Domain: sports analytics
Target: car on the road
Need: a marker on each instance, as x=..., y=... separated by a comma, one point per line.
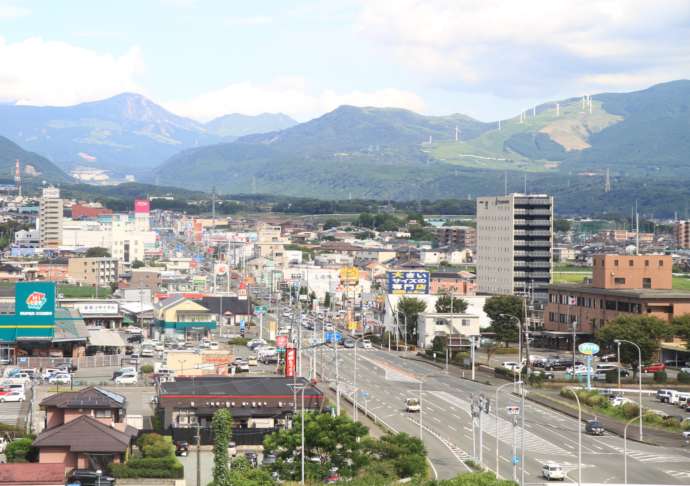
x=349, y=343
x=240, y=365
x=511, y=365
x=122, y=371
x=181, y=448
x=48, y=372
x=13, y=396
x=618, y=401
x=685, y=370
x=666, y=395
x=365, y=343
x=594, y=427
x=87, y=477
x=653, y=367
x=133, y=330
x=252, y=361
x=255, y=343
x=213, y=345
x=547, y=375
x=134, y=358
x=60, y=379
x=552, y=470
x=128, y=378
x=412, y=405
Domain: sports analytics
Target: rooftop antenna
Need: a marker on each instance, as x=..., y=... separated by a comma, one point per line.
x=505, y=183
x=457, y=133
x=534, y=112
x=18, y=178
x=637, y=230
x=589, y=97
x=607, y=182
x=558, y=109
x=499, y=125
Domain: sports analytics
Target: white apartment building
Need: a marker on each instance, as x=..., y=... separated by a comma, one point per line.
x=432, y=324
x=514, y=245
x=50, y=218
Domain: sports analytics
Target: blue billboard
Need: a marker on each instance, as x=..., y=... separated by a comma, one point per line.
x=408, y=282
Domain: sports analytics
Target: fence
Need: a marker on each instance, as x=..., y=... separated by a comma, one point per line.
x=239, y=436
x=97, y=361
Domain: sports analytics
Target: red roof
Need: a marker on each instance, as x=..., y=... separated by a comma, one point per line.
x=32, y=473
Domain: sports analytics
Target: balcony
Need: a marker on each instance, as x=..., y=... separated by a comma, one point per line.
x=530, y=232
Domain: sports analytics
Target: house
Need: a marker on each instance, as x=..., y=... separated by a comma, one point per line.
x=181, y=315
x=32, y=474
x=432, y=324
x=229, y=310
x=456, y=283
x=259, y=405
x=85, y=429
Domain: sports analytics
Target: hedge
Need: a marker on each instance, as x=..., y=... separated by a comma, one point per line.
x=683, y=377
x=149, y=467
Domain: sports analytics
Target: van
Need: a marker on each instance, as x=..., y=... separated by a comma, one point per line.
x=663, y=394
x=683, y=399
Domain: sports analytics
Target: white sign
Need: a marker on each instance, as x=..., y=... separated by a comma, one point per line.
x=97, y=308
x=513, y=410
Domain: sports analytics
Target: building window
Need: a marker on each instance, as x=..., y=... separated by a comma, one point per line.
x=646, y=263
x=107, y=413
x=615, y=263
x=631, y=263
x=465, y=322
x=552, y=316
x=661, y=263
x=610, y=305
x=619, y=280
x=646, y=283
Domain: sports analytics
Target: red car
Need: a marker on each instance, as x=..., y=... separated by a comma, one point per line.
x=653, y=367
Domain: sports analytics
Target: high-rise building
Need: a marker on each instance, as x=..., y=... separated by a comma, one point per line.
x=50, y=218
x=514, y=245
x=682, y=233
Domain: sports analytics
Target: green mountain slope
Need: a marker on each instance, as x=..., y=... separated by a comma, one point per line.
x=32, y=165
x=237, y=125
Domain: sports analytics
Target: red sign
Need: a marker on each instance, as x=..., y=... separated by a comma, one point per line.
x=290, y=359
x=281, y=341
x=142, y=206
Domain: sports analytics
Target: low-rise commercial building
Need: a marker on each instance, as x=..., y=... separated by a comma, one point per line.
x=101, y=271
x=432, y=324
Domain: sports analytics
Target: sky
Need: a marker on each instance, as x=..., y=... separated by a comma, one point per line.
x=488, y=59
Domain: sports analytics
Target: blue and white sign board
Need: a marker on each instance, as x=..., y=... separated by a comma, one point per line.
x=408, y=282
x=333, y=336
x=242, y=325
x=589, y=350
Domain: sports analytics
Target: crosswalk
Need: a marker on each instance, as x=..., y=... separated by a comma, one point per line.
x=649, y=457
x=679, y=474
x=533, y=443
x=9, y=412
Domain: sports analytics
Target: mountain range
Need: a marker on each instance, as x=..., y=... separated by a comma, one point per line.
x=565, y=147
x=125, y=134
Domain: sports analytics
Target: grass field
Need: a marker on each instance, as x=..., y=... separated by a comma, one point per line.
x=679, y=283
x=76, y=292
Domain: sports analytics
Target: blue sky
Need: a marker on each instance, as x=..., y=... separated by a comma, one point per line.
x=204, y=58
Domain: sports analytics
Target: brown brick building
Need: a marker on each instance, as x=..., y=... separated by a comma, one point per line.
x=621, y=284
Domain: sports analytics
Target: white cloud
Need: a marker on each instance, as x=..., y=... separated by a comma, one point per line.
x=533, y=47
x=290, y=95
x=39, y=72
x=254, y=20
x=8, y=11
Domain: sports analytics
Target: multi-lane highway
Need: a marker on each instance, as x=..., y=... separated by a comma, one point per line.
x=388, y=379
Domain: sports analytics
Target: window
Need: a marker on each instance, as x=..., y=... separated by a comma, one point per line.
x=552, y=316
x=661, y=263
x=619, y=280
x=646, y=263
x=465, y=322
x=104, y=413
x=615, y=263
x=646, y=283
x=610, y=305
x=631, y=263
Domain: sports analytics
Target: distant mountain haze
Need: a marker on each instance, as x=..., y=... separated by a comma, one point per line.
x=32, y=165
x=237, y=125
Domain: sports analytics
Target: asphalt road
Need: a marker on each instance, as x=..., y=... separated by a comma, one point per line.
x=389, y=379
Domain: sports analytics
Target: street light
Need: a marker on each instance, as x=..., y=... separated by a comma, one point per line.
x=519, y=324
x=639, y=374
x=496, y=414
x=625, y=449
x=579, y=434
x=301, y=387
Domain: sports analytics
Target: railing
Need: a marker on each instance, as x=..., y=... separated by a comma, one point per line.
x=240, y=436
x=97, y=361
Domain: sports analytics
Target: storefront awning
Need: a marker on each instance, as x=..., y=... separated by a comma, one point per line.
x=105, y=338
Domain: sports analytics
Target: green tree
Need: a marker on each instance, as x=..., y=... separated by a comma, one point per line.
x=336, y=440
x=242, y=473
x=97, y=251
x=138, y=264
x=645, y=331
x=331, y=223
x=499, y=308
x=365, y=220
x=681, y=328
x=443, y=304
x=405, y=453
x=222, y=429
x=562, y=225
x=327, y=300
x=408, y=309
x=19, y=450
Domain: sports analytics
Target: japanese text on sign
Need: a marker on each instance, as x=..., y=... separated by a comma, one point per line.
x=408, y=282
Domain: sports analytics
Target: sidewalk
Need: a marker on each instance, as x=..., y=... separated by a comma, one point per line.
x=651, y=436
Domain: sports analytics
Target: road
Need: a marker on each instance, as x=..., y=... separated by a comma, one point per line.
x=389, y=379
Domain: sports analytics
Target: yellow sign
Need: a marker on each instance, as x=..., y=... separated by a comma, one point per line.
x=349, y=276
x=352, y=326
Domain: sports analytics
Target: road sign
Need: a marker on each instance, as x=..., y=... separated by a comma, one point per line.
x=242, y=325
x=513, y=410
x=260, y=309
x=588, y=349
x=333, y=336
x=516, y=460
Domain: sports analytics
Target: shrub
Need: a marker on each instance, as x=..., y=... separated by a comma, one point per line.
x=536, y=380
x=155, y=446
x=612, y=376
x=510, y=350
x=684, y=378
x=19, y=450
x=238, y=341
x=630, y=410
x=167, y=467
x=660, y=377
x=146, y=368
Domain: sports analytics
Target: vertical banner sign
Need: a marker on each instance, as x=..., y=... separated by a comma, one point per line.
x=281, y=341
x=290, y=360
x=408, y=282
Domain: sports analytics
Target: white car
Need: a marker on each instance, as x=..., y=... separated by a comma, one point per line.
x=366, y=344
x=213, y=345
x=619, y=401
x=511, y=365
x=48, y=372
x=126, y=379
x=412, y=405
x=60, y=379
x=552, y=470
x=13, y=396
x=133, y=330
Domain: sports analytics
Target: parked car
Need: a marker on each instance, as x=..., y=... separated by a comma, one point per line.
x=134, y=358
x=232, y=449
x=13, y=396
x=87, y=477
x=552, y=470
x=548, y=375
x=48, y=372
x=653, y=367
x=60, y=379
x=127, y=379
x=252, y=457
x=269, y=458
x=593, y=427
x=252, y=361
x=240, y=365
x=181, y=448
x=122, y=371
